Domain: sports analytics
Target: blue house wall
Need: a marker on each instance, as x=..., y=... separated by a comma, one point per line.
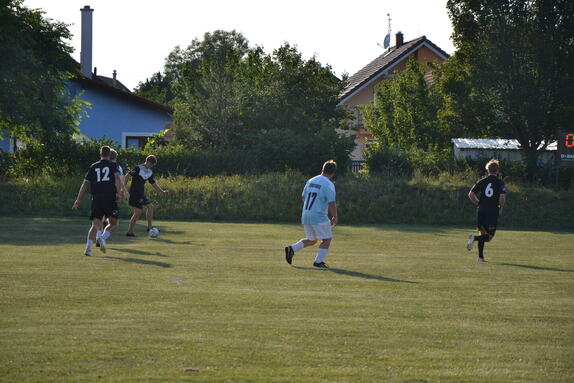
x=5, y=143
x=116, y=117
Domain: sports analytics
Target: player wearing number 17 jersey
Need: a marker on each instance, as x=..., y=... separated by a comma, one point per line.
x=318, y=200
x=105, y=185
x=490, y=195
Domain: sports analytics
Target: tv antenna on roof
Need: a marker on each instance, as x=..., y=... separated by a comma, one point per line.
x=387, y=41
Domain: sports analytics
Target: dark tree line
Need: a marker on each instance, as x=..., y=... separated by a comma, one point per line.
x=511, y=76
x=230, y=96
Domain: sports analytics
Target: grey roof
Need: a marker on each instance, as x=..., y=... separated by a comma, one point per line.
x=383, y=61
x=109, y=89
x=106, y=84
x=492, y=143
x=110, y=82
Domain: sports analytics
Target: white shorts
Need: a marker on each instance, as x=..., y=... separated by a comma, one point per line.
x=319, y=231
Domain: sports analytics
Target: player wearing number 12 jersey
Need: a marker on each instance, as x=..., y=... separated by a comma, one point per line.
x=490, y=195
x=110, y=223
x=105, y=185
x=318, y=200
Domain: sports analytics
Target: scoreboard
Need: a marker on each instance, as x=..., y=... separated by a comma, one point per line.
x=566, y=148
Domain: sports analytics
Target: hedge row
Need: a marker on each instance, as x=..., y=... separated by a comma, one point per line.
x=276, y=151
x=275, y=197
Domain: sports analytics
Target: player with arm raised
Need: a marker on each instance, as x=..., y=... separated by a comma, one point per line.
x=106, y=188
x=489, y=194
x=139, y=175
x=318, y=200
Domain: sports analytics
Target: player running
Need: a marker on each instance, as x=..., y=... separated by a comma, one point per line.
x=105, y=185
x=318, y=198
x=492, y=199
x=139, y=175
x=110, y=223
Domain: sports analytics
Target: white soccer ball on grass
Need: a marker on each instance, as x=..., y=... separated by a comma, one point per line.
x=153, y=232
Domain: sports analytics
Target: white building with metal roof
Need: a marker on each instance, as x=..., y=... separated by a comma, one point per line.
x=499, y=148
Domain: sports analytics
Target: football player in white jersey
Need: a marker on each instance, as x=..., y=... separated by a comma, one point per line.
x=318, y=200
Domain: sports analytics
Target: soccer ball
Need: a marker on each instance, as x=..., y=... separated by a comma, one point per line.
x=153, y=232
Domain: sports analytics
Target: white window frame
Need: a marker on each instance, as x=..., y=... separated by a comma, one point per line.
x=125, y=135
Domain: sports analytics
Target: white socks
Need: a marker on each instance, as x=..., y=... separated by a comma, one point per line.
x=297, y=246
x=88, y=246
x=105, y=235
x=321, y=254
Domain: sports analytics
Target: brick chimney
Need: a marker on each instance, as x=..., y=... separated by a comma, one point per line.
x=399, y=40
x=86, y=49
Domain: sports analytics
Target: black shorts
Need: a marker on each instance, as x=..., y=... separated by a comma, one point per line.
x=138, y=201
x=104, y=205
x=487, y=221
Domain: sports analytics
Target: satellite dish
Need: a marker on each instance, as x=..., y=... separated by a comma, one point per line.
x=387, y=41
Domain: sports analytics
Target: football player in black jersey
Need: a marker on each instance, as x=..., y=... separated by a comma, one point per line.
x=110, y=223
x=489, y=194
x=139, y=175
x=106, y=188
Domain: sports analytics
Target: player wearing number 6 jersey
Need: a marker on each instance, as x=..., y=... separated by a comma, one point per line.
x=490, y=195
x=106, y=187
x=318, y=200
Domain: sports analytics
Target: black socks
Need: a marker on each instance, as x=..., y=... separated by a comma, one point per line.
x=480, y=248
x=481, y=238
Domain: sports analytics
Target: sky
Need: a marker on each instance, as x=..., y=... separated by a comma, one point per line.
x=134, y=37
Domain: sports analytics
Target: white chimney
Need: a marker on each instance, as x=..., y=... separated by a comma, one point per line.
x=86, y=49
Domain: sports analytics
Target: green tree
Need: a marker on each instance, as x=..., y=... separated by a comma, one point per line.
x=34, y=69
x=208, y=114
x=230, y=96
x=304, y=93
x=157, y=88
x=291, y=110
x=515, y=58
x=404, y=114
x=465, y=111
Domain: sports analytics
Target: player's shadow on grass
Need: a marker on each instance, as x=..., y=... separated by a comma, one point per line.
x=538, y=267
x=168, y=231
x=138, y=252
x=170, y=241
x=355, y=274
x=412, y=228
x=140, y=261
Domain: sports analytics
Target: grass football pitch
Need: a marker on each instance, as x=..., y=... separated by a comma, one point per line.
x=216, y=302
